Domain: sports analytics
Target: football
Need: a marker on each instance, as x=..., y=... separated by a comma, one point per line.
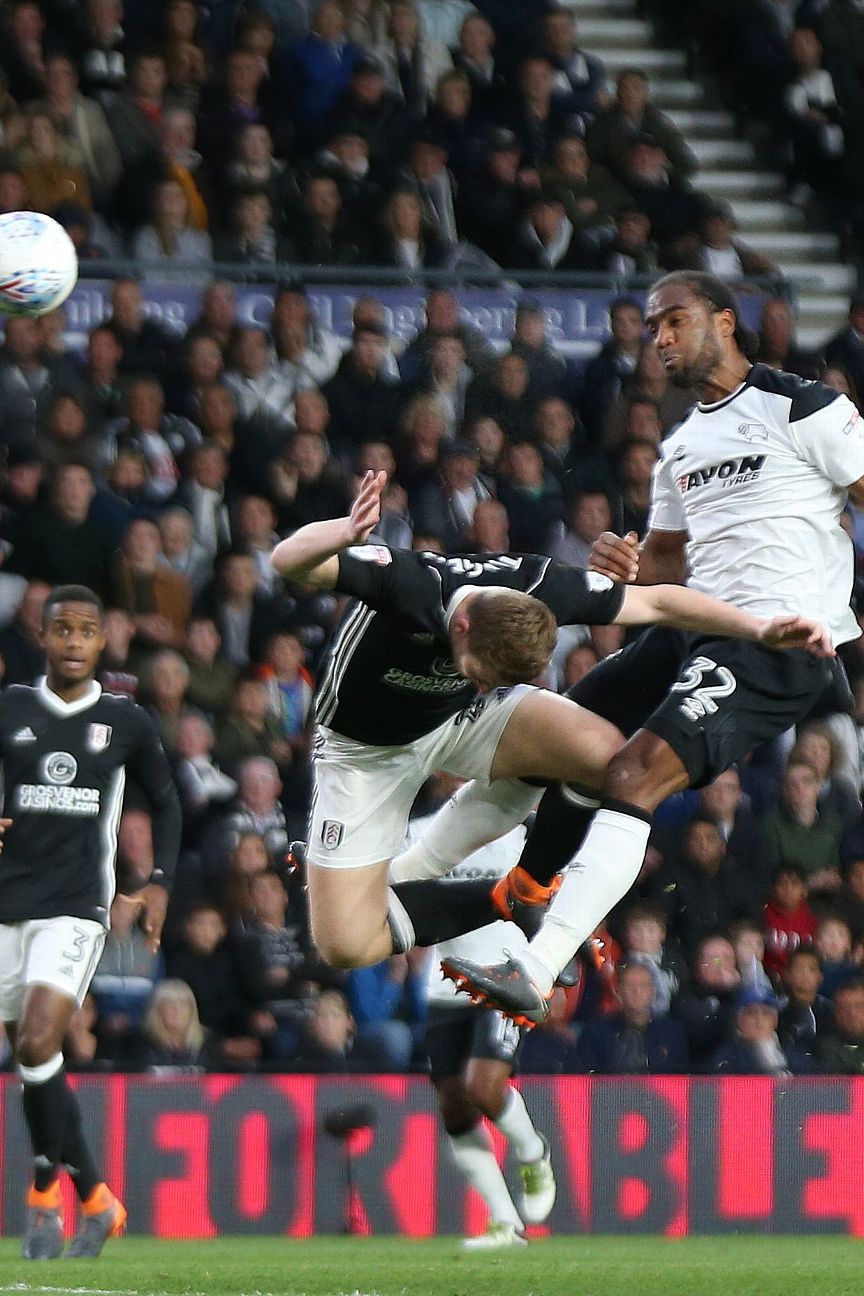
x=38, y=264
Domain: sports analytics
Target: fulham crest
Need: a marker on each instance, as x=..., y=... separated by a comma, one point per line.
x=98, y=737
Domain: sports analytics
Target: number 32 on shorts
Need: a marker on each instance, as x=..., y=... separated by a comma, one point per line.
x=703, y=697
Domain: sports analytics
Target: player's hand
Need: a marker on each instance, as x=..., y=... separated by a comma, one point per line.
x=366, y=509
x=616, y=556
x=153, y=901
x=797, y=632
x=4, y=824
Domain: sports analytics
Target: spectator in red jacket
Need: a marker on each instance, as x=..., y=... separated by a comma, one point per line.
x=789, y=920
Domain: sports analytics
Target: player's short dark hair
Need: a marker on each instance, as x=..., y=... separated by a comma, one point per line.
x=719, y=297
x=71, y=594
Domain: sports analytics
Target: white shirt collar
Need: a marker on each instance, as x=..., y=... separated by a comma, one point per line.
x=56, y=704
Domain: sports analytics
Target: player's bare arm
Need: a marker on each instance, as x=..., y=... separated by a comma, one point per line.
x=660, y=559
x=309, y=555
x=688, y=609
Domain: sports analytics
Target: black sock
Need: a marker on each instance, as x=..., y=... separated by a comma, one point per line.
x=557, y=833
x=45, y=1107
x=76, y=1154
x=443, y=908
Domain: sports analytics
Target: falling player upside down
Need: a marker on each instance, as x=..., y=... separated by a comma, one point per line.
x=399, y=699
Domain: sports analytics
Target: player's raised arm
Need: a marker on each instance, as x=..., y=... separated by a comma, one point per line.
x=689, y=609
x=309, y=555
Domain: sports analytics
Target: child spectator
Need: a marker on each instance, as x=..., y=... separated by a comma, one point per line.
x=834, y=946
x=644, y=940
x=289, y=688
x=789, y=920
x=807, y=1015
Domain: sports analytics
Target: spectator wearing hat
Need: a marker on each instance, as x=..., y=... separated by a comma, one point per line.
x=630, y=115
x=755, y=1047
x=426, y=170
x=636, y=1040
x=368, y=106
x=412, y=61
x=447, y=508
x=492, y=197
x=546, y=238
x=345, y=157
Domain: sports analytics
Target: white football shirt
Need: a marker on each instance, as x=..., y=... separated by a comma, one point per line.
x=759, y=481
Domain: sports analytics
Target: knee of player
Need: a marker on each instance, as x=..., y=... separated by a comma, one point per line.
x=458, y=1113
x=36, y=1045
x=487, y=1094
x=644, y=772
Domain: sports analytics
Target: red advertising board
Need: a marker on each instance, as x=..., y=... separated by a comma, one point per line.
x=197, y=1156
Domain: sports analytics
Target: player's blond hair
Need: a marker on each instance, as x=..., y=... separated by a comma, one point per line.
x=511, y=634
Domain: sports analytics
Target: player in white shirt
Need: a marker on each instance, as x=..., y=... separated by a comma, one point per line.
x=747, y=502
x=472, y=1056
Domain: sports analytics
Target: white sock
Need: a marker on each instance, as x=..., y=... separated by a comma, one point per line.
x=474, y=815
x=518, y=1128
x=473, y=1154
x=603, y=870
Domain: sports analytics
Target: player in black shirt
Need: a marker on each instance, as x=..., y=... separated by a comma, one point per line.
x=399, y=699
x=65, y=746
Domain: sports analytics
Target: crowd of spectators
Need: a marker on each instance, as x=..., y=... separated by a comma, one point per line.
x=410, y=134
x=159, y=469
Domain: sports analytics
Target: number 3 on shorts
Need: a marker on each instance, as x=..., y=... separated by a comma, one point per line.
x=702, y=700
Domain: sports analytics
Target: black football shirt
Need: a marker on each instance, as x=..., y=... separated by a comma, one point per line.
x=389, y=677
x=64, y=771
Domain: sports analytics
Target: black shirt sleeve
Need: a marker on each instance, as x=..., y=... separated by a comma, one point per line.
x=578, y=597
x=149, y=766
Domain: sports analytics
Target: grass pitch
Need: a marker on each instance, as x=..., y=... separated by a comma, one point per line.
x=732, y=1266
